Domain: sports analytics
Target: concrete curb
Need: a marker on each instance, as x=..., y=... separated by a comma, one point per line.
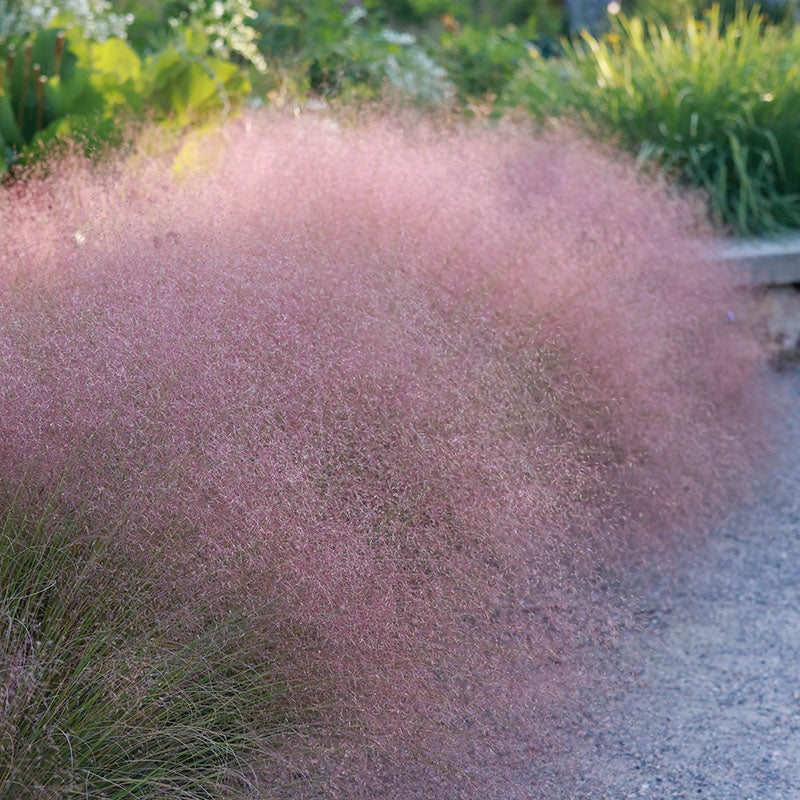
x=763, y=262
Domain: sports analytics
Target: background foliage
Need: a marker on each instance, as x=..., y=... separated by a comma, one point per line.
x=712, y=102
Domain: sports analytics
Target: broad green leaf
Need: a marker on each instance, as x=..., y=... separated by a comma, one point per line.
x=186, y=88
x=116, y=72
x=195, y=41
x=161, y=69
x=116, y=57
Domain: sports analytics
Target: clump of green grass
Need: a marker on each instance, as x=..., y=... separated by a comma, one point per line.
x=106, y=691
x=714, y=103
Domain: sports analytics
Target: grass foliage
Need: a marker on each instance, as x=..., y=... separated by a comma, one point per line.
x=715, y=104
x=400, y=397
x=106, y=691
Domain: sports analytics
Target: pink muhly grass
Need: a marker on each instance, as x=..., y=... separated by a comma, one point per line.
x=396, y=392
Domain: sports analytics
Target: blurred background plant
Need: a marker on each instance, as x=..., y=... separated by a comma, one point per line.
x=675, y=12
x=97, y=18
x=227, y=26
x=713, y=102
x=71, y=72
x=331, y=50
x=481, y=64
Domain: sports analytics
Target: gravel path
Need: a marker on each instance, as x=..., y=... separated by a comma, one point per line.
x=705, y=690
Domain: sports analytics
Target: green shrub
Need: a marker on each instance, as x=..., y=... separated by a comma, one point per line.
x=334, y=50
x=545, y=15
x=62, y=83
x=69, y=71
x=716, y=106
x=482, y=62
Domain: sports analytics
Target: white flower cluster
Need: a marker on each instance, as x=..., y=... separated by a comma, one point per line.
x=226, y=23
x=95, y=17
x=418, y=76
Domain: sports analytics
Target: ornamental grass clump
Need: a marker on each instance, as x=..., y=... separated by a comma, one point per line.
x=715, y=105
x=107, y=690
x=405, y=398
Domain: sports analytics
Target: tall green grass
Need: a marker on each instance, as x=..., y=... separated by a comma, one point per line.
x=107, y=690
x=715, y=104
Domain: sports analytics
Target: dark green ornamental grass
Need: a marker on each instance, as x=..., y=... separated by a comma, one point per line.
x=108, y=692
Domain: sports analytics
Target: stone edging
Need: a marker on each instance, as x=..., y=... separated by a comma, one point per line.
x=763, y=261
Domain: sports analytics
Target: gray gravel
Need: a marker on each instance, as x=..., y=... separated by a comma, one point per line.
x=704, y=694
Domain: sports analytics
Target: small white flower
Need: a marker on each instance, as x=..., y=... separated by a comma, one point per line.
x=396, y=37
x=225, y=22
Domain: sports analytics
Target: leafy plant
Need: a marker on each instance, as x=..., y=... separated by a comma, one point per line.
x=717, y=106
x=227, y=24
x=62, y=84
x=348, y=51
x=184, y=85
x=59, y=84
x=482, y=62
